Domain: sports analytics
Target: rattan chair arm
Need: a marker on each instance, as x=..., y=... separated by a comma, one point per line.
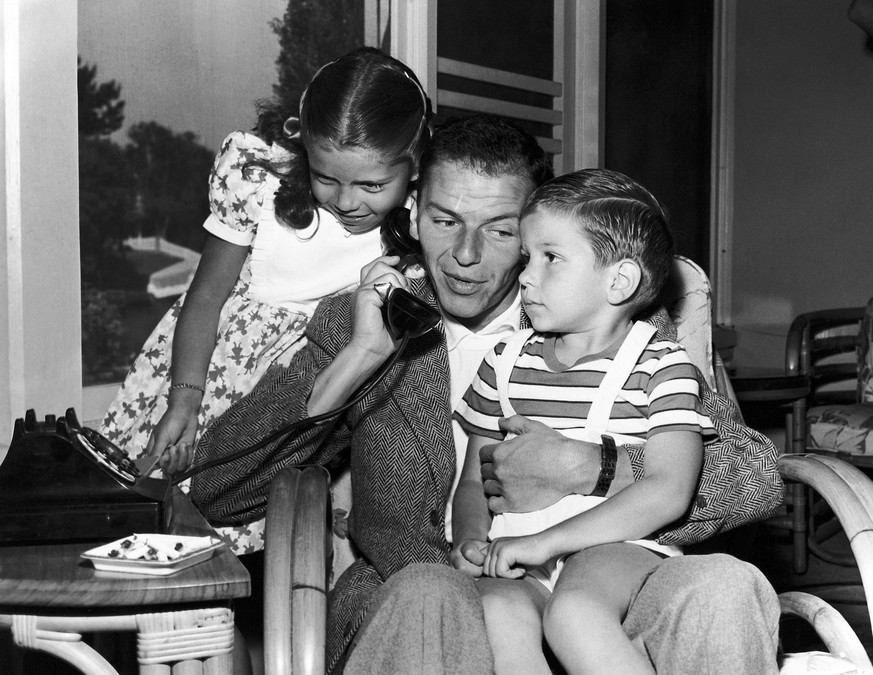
x=849, y=494
x=834, y=631
x=297, y=555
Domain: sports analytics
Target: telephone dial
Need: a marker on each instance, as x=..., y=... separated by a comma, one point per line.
x=61, y=481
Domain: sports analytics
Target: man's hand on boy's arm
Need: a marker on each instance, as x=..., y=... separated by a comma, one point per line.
x=673, y=461
x=540, y=466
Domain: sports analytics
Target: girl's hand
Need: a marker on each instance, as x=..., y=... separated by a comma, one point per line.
x=368, y=327
x=177, y=458
x=468, y=556
x=173, y=437
x=506, y=555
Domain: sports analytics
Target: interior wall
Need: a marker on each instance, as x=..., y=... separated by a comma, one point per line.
x=6, y=196
x=803, y=172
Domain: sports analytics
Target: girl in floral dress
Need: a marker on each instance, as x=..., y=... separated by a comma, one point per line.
x=295, y=213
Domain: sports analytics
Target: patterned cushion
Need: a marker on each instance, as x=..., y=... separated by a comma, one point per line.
x=865, y=356
x=688, y=299
x=841, y=428
x=344, y=551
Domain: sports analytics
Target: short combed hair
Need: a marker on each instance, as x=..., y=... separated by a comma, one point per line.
x=488, y=144
x=620, y=218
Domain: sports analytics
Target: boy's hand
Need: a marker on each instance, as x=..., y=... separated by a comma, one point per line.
x=506, y=555
x=468, y=556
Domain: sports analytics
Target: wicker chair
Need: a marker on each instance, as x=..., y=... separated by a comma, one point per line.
x=832, y=349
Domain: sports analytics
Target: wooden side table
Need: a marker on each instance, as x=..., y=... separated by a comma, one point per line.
x=763, y=385
x=773, y=387
x=184, y=621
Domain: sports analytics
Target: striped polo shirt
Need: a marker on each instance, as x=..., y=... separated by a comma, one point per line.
x=661, y=394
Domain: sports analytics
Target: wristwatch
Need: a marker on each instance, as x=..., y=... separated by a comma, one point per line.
x=608, y=460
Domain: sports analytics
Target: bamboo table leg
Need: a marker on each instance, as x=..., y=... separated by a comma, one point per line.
x=31, y=632
x=185, y=642
x=194, y=641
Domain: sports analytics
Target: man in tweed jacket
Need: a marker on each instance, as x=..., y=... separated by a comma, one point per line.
x=401, y=608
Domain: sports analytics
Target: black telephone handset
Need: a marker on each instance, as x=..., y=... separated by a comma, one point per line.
x=404, y=314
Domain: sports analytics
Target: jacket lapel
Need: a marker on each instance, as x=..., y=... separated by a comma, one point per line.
x=422, y=395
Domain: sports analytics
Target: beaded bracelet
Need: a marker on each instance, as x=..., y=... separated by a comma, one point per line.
x=186, y=385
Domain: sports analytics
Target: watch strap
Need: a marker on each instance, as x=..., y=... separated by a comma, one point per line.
x=608, y=461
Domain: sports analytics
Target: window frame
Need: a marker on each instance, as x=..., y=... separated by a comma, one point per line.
x=41, y=352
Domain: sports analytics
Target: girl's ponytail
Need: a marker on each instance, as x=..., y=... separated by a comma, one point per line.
x=293, y=201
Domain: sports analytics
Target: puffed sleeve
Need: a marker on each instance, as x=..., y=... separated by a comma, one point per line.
x=235, y=188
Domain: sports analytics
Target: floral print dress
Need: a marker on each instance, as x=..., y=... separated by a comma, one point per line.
x=262, y=322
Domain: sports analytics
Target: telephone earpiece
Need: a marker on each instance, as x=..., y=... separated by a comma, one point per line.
x=404, y=314
x=396, y=239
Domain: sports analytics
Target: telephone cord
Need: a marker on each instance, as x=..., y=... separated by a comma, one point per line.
x=286, y=429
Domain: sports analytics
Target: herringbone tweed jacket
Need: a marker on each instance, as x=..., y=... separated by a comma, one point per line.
x=402, y=459
x=402, y=463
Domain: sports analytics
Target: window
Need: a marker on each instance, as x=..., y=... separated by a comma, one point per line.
x=470, y=60
x=160, y=88
x=41, y=321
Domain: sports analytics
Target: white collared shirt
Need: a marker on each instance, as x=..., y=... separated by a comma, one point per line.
x=466, y=351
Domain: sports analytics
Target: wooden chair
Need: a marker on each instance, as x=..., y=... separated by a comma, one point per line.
x=830, y=347
x=849, y=493
x=296, y=580
x=296, y=568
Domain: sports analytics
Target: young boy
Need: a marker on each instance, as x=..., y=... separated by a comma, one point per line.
x=597, y=253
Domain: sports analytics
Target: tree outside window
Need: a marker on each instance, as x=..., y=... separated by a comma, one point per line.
x=143, y=192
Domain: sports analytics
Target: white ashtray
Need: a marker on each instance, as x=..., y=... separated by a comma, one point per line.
x=158, y=554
